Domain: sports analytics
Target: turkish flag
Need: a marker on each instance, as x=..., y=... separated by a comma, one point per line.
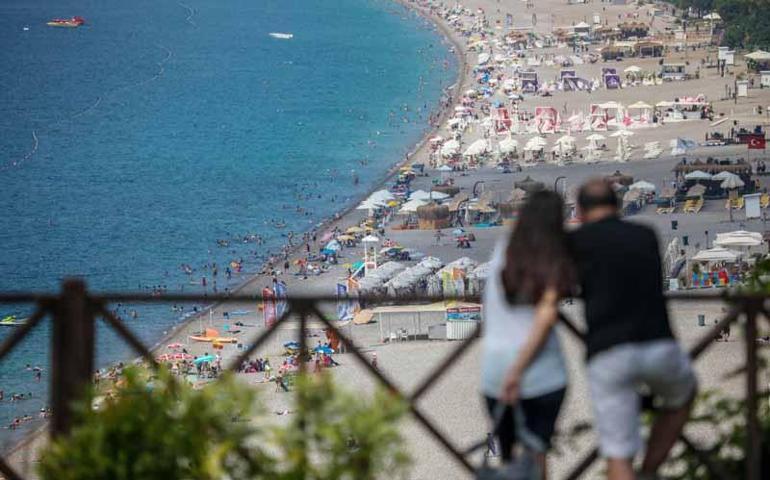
x=757, y=142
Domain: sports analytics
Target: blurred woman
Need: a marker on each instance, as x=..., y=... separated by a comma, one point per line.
x=524, y=377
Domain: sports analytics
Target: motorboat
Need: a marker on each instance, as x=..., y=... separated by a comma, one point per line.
x=73, y=22
x=282, y=36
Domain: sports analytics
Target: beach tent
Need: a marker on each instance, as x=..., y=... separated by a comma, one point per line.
x=717, y=254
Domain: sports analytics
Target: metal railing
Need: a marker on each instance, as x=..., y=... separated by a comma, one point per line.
x=74, y=312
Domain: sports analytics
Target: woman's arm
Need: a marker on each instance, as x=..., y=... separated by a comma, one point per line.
x=546, y=315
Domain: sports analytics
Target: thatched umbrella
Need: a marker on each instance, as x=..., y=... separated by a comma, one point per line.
x=620, y=178
x=433, y=216
x=529, y=185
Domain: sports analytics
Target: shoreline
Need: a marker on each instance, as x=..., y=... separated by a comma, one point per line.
x=177, y=331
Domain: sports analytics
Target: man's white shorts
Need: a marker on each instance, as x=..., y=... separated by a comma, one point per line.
x=618, y=375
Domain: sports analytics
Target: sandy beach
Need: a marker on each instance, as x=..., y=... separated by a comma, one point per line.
x=455, y=402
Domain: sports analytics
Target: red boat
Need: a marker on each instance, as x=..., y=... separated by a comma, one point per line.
x=73, y=22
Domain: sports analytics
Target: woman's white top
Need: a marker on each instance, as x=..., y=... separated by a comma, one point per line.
x=505, y=330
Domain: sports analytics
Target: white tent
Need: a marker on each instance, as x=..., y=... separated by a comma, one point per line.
x=643, y=186
x=717, y=254
x=478, y=147
x=632, y=69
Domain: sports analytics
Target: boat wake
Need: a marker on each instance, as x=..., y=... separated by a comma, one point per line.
x=161, y=71
x=161, y=66
x=16, y=163
x=93, y=106
x=190, y=14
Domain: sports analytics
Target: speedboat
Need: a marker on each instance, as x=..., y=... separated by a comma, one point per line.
x=282, y=36
x=11, y=321
x=73, y=22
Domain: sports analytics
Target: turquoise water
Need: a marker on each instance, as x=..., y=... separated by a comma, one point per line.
x=131, y=145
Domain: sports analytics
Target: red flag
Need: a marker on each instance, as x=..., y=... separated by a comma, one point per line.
x=757, y=142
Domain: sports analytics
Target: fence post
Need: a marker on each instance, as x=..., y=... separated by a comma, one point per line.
x=753, y=456
x=72, y=352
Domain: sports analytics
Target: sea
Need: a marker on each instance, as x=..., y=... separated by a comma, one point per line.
x=163, y=137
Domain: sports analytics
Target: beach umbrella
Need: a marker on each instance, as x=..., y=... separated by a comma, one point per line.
x=732, y=182
x=444, y=168
x=412, y=205
x=370, y=239
x=640, y=106
x=643, y=186
x=739, y=238
x=622, y=133
x=632, y=69
x=478, y=147
x=450, y=148
x=717, y=254
x=508, y=145
x=595, y=137
x=698, y=175
x=534, y=144
x=723, y=175
x=423, y=195
x=323, y=349
x=381, y=196
x=204, y=359
x=354, y=229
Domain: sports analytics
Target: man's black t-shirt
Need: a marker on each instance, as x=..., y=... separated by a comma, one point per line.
x=621, y=283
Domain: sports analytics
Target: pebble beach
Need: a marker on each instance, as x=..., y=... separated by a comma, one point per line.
x=454, y=403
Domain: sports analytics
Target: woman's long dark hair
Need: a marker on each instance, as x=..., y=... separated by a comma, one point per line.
x=538, y=256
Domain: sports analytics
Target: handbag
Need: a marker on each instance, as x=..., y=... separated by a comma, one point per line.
x=523, y=466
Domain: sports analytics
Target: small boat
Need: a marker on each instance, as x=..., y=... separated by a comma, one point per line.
x=282, y=36
x=10, y=321
x=73, y=22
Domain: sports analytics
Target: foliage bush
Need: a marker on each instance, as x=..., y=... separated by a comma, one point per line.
x=157, y=428
x=726, y=417
x=746, y=24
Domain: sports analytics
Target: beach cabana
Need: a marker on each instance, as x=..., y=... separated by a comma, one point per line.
x=433, y=216
x=640, y=113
